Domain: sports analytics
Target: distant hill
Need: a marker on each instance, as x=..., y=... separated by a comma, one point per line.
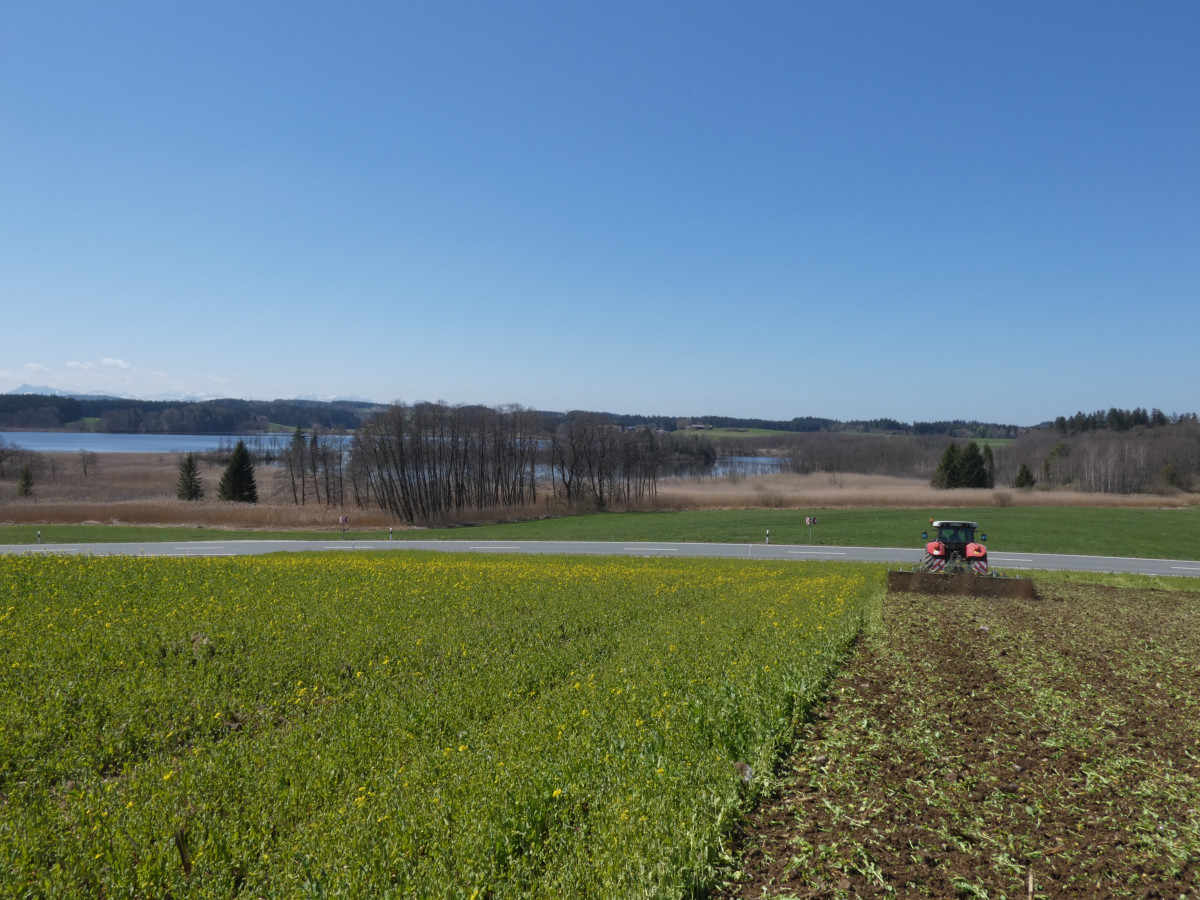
x=122, y=415
x=47, y=409
x=55, y=392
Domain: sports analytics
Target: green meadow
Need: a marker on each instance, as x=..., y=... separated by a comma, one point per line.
x=1148, y=533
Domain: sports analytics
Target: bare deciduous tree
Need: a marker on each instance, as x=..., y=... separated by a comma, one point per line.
x=88, y=461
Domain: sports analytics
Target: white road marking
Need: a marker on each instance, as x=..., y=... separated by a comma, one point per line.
x=492, y=547
x=1187, y=568
x=1011, y=559
x=653, y=549
x=818, y=552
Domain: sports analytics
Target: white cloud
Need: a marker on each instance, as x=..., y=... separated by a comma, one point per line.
x=115, y=363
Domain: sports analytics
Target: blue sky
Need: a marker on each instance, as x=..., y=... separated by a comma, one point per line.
x=855, y=210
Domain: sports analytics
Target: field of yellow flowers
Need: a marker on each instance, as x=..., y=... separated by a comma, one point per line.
x=401, y=724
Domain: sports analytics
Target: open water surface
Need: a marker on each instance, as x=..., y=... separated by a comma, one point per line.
x=74, y=441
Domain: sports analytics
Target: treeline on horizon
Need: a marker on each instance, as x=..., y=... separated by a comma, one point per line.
x=49, y=412
x=113, y=415
x=1118, y=420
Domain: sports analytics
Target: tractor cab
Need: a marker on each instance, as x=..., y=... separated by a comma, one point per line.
x=955, y=542
x=955, y=535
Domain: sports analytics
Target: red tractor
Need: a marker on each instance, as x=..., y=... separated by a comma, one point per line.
x=954, y=549
x=955, y=563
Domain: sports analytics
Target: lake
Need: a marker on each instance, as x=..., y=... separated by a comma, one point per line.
x=727, y=466
x=74, y=441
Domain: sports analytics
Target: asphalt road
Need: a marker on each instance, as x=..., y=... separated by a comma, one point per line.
x=892, y=555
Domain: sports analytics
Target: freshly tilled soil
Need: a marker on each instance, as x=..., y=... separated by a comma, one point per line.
x=1000, y=748
x=936, y=584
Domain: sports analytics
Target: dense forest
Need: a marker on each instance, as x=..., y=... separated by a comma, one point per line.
x=1115, y=420
x=1140, y=459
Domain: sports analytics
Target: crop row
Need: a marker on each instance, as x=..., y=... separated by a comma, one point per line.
x=403, y=724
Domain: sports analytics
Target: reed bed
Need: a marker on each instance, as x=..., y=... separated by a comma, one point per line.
x=205, y=513
x=139, y=489
x=119, y=477
x=825, y=490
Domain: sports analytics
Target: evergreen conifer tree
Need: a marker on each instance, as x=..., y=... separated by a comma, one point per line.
x=189, y=486
x=989, y=466
x=972, y=472
x=25, y=482
x=967, y=467
x=1024, y=477
x=237, y=482
x=946, y=475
